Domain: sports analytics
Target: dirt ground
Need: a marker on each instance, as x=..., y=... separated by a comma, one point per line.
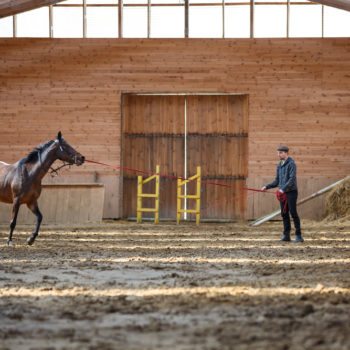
x=217, y=286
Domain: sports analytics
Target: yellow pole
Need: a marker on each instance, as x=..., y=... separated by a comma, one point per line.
x=178, y=206
x=198, y=200
x=156, y=214
x=139, y=200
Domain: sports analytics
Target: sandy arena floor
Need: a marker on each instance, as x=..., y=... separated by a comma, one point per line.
x=128, y=286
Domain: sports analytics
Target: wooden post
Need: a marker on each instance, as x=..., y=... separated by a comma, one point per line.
x=223, y=18
x=120, y=19
x=14, y=26
x=148, y=18
x=84, y=19
x=288, y=17
x=187, y=10
x=252, y=18
x=322, y=21
x=51, y=21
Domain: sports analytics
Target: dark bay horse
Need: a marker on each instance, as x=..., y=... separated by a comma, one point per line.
x=20, y=183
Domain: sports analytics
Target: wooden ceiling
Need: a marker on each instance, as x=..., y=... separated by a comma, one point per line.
x=13, y=7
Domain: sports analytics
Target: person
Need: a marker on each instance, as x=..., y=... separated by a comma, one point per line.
x=286, y=181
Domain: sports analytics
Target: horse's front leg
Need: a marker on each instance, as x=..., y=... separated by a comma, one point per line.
x=35, y=210
x=15, y=209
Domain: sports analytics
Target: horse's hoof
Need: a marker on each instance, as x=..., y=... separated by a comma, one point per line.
x=10, y=244
x=30, y=240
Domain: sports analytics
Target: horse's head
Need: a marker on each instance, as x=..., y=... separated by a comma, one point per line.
x=66, y=152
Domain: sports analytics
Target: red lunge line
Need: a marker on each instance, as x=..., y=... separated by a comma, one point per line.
x=133, y=170
x=117, y=167
x=172, y=176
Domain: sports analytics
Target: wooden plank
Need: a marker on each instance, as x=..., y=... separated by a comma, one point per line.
x=63, y=204
x=339, y=4
x=14, y=7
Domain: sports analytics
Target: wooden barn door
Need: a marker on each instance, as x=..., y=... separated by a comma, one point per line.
x=217, y=140
x=153, y=133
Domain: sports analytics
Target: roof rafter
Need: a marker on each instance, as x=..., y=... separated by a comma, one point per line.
x=339, y=4
x=13, y=7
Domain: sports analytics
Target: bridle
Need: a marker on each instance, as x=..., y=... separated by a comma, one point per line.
x=54, y=171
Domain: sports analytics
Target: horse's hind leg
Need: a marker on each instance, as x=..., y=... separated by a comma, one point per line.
x=35, y=210
x=15, y=210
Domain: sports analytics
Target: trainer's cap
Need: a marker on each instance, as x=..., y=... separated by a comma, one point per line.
x=283, y=148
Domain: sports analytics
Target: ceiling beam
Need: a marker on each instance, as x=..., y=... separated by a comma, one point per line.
x=13, y=7
x=339, y=4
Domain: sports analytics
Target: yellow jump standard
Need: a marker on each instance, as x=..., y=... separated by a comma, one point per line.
x=140, y=195
x=196, y=197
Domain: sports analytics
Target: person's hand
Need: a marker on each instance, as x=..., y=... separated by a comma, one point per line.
x=281, y=191
x=263, y=188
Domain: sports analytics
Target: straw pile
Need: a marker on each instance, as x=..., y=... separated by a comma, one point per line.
x=338, y=201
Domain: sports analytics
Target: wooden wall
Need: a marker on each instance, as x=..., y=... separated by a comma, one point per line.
x=62, y=204
x=299, y=94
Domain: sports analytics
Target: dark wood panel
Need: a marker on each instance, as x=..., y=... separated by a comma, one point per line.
x=218, y=156
x=152, y=114
x=218, y=142
x=153, y=135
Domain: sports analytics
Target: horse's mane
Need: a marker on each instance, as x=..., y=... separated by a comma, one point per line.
x=33, y=156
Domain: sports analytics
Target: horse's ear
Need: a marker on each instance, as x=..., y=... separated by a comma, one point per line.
x=59, y=136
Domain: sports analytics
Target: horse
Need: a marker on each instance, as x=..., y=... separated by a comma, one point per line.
x=20, y=183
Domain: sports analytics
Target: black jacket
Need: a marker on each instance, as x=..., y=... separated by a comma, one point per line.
x=286, y=176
